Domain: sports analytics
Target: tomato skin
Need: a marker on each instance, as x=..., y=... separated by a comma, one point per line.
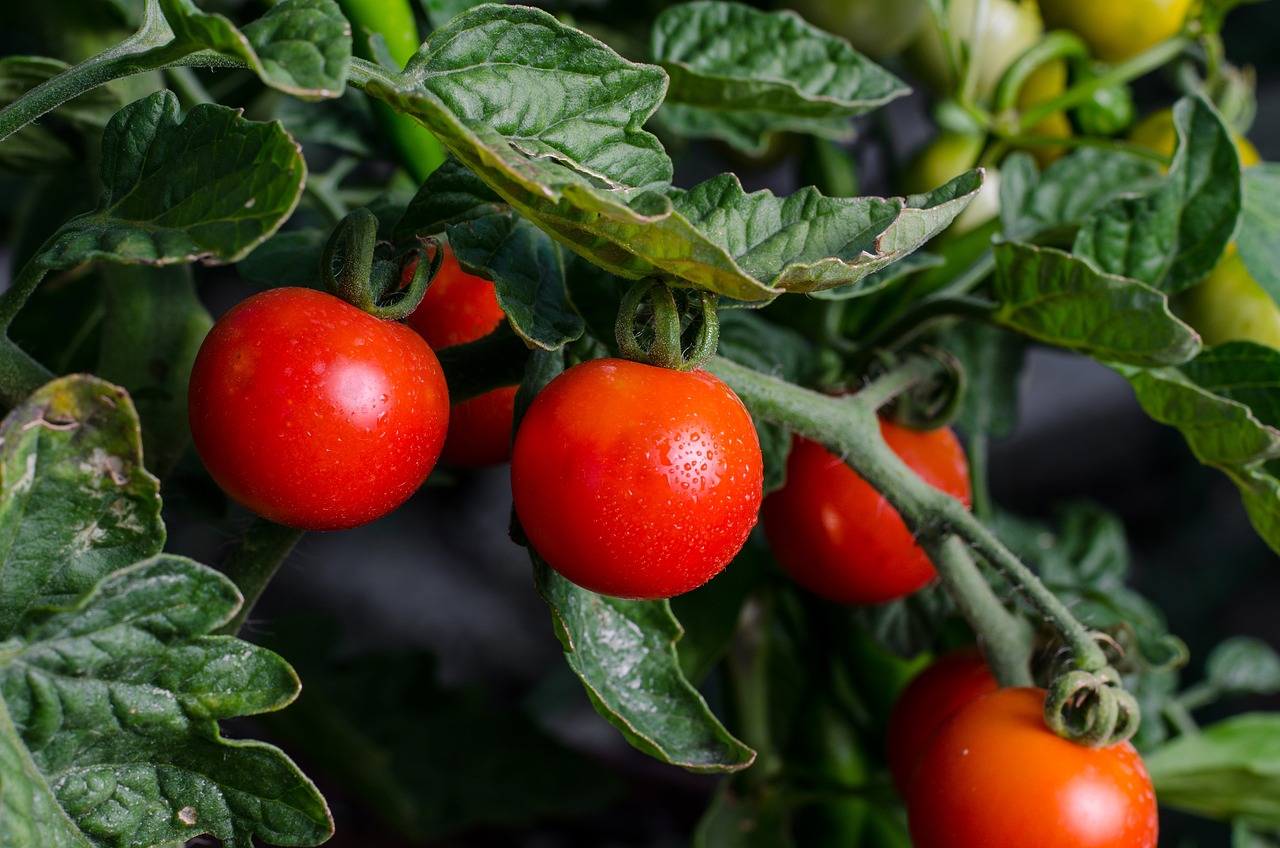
x=951, y=681
x=1116, y=30
x=838, y=537
x=994, y=774
x=457, y=308
x=636, y=481
x=314, y=414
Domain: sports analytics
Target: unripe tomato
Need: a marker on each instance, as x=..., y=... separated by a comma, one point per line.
x=314, y=414
x=950, y=682
x=1011, y=27
x=994, y=774
x=1042, y=85
x=636, y=481
x=875, y=28
x=838, y=537
x=946, y=157
x=1156, y=132
x=1229, y=305
x=457, y=308
x=1116, y=30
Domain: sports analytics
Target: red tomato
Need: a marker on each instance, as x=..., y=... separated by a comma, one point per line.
x=636, y=481
x=457, y=308
x=994, y=774
x=314, y=414
x=836, y=536
x=950, y=682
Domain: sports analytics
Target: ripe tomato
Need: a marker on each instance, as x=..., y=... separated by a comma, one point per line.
x=994, y=774
x=1116, y=30
x=1010, y=28
x=950, y=682
x=313, y=413
x=457, y=308
x=838, y=537
x=636, y=481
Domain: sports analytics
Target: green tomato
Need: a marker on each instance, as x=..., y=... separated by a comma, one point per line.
x=1229, y=305
x=1116, y=30
x=1010, y=28
x=876, y=28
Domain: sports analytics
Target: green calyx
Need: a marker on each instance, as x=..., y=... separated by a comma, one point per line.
x=352, y=270
x=1090, y=708
x=654, y=320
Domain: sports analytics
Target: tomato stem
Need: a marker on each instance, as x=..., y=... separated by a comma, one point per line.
x=666, y=349
x=254, y=561
x=351, y=270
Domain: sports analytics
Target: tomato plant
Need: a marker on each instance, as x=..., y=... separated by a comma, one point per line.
x=636, y=481
x=993, y=772
x=951, y=681
x=979, y=359
x=838, y=537
x=459, y=307
x=314, y=414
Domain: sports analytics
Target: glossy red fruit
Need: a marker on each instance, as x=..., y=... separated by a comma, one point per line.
x=994, y=774
x=458, y=308
x=838, y=537
x=636, y=481
x=951, y=681
x=314, y=414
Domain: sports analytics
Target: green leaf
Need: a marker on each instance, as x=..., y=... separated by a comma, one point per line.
x=1172, y=237
x=76, y=503
x=992, y=361
x=878, y=280
x=908, y=626
x=440, y=12
x=1259, y=238
x=1243, y=666
x=1068, y=191
x=528, y=272
x=710, y=614
x=109, y=731
x=1229, y=770
x=1057, y=298
x=211, y=187
x=288, y=258
x=152, y=329
x=430, y=760
x=38, y=146
x=758, y=819
x=624, y=654
x=451, y=195
x=739, y=74
x=300, y=47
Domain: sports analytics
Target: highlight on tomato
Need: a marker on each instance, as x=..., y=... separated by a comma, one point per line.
x=313, y=413
x=458, y=308
x=835, y=535
x=994, y=774
x=636, y=481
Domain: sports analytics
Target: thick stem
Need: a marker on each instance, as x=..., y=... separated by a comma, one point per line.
x=252, y=564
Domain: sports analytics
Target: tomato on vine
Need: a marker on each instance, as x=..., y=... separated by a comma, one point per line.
x=459, y=307
x=1116, y=30
x=994, y=774
x=951, y=681
x=636, y=481
x=313, y=413
x=838, y=537
x=1009, y=28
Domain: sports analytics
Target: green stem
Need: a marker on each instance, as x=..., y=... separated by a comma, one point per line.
x=20, y=375
x=1059, y=44
x=21, y=289
x=979, y=450
x=254, y=561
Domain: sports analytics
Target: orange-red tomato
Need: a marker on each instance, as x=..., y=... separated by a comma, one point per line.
x=838, y=537
x=636, y=481
x=314, y=414
x=994, y=774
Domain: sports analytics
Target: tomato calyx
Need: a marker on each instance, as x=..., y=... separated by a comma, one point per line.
x=653, y=321
x=353, y=270
x=1091, y=708
x=927, y=404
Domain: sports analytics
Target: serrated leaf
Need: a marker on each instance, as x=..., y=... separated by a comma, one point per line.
x=624, y=654
x=877, y=280
x=152, y=328
x=908, y=626
x=1066, y=193
x=37, y=146
x=528, y=273
x=451, y=195
x=1173, y=236
x=109, y=731
x=739, y=74
x=1060, y=299
x=1243, y=665
x=1259, y=238
x=210, y=187
x=1229, y=770
x=76, y=503
x=301, y=47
